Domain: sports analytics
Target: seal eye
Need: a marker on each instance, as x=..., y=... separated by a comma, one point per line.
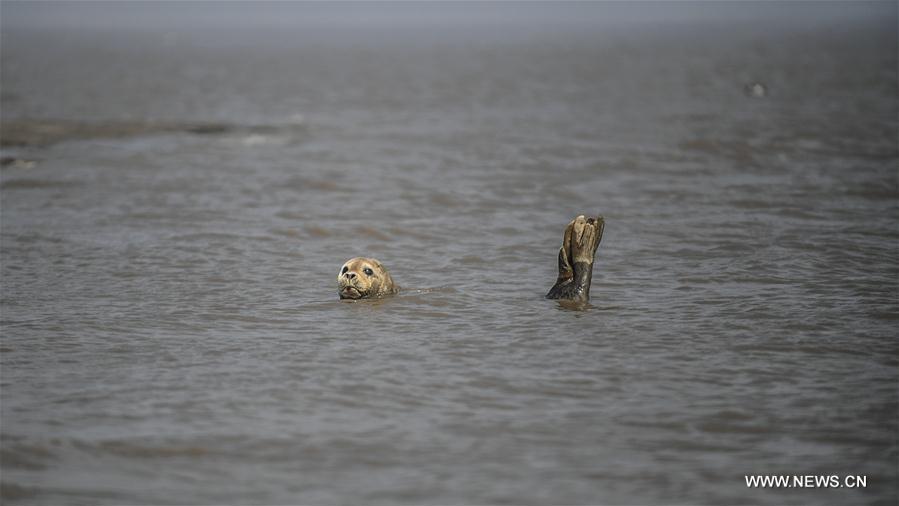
x=343, y=271
x=367, y=271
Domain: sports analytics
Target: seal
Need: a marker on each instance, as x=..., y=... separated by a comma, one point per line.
x=579, y=243
x=362, y=278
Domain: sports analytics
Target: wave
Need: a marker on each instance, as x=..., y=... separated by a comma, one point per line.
x=32, y=132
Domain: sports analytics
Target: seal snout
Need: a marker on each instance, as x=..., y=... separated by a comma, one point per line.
x=350, y=292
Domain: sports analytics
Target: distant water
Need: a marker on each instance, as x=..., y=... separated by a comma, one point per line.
x=171, y=332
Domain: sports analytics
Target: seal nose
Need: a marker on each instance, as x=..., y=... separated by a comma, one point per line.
x=350, y=275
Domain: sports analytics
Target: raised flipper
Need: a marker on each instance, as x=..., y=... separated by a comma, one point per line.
x=582, y=237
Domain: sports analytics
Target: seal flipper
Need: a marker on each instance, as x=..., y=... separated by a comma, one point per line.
x=579, y=244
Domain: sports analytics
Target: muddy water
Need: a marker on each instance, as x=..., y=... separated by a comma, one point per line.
x=171, y=332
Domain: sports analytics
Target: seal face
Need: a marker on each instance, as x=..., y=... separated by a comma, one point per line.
x=361, y=278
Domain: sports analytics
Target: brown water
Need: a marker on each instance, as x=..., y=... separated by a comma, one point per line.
x=171, y=332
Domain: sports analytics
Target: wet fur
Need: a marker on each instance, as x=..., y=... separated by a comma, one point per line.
x=355, y=283
x=582, y=237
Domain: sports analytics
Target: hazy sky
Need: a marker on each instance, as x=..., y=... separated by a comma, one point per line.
x=179, y=14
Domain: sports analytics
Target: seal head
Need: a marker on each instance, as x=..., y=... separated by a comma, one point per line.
x=362, y=278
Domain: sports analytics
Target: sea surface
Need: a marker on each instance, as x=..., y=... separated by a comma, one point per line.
x=176, y=202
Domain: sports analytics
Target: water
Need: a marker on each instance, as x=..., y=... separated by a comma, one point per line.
x=171, y=332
